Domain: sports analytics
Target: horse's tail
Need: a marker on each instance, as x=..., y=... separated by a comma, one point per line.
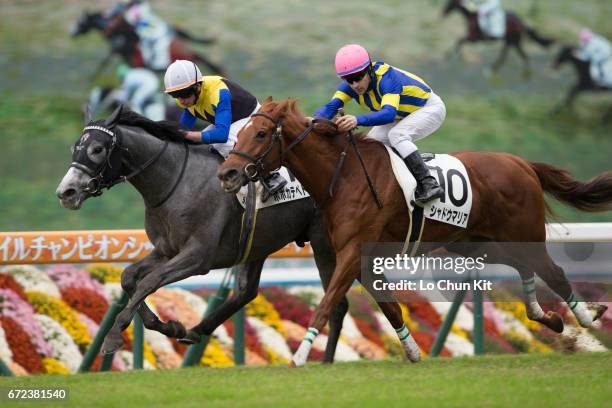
x=540, y=39
x=592, y=196
x=189, y=37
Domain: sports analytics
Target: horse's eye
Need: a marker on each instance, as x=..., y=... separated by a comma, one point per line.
x=261, y=134
x=97, y=150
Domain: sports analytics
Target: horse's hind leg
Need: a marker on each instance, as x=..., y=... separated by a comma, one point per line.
x=555, y=278
x=325, y=259
x=526, y=66
x=247, y=282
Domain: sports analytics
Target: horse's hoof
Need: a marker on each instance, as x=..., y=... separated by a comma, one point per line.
x=292, y=364
x=598, y=309
x=553, y=321
x=110, y=346
x=190, y=337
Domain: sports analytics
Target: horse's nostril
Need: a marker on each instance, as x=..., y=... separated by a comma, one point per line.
x=66, y=193
x=228, y=174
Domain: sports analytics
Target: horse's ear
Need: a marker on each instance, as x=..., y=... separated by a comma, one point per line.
x=111, y=121
x=268, y=99
x=87, y=114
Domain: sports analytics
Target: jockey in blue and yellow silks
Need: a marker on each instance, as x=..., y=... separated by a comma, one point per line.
x=219, y=101
x=403, y=109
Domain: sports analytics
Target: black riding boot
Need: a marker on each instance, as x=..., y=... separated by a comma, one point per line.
x=427, y=186
x=272, y=183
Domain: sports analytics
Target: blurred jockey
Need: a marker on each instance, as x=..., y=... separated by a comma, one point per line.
x=221, y=102
x=491, y=16
x=597, y=50
x=140, y=90
x=404, y=110
x=154, y=33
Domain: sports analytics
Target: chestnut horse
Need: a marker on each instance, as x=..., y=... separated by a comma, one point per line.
x=515, y=30
x=508, y=206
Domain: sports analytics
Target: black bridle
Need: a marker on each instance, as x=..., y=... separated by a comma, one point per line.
x=105, y=176
x=257, y=163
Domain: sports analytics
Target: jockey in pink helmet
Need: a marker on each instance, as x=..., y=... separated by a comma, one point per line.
x=403, y=109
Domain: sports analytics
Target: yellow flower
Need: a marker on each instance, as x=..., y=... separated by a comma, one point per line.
x=105, y=272
x=411, y=324
x=273, y=357
x=214, y=356
x=61, y=313
x=53, y=366
x=265, y=311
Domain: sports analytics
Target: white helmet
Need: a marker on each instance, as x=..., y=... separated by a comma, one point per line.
x=181, y=74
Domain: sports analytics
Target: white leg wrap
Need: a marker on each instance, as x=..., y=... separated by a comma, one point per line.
x=301, y=355
x=582, y=313
x=413, y=352
x=534, y=310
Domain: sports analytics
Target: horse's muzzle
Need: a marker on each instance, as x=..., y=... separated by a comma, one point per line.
x=232, y=179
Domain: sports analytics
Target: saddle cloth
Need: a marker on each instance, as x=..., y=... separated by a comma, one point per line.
x=293, y=190
x=601, y=73
x=450, y=172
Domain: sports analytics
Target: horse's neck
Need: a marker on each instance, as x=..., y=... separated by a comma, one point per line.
x=313, y=162
x=157, y=179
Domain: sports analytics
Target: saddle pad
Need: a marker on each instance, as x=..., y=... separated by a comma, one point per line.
x=455, y=208
x=456, y=205
x=293, y=190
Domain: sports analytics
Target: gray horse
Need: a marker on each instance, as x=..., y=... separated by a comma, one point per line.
x=192, y=223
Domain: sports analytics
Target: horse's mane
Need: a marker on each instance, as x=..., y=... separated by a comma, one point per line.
x=293, y=113
x=163, y=129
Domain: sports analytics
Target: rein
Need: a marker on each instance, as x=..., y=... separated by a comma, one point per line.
x=257, y=164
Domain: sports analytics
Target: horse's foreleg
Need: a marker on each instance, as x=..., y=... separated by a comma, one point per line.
x=456, y=50
x=526, y=66
x=129, y=280
x=185, y=264
x=501, y=58
x=393, y=313
x=347, y=270
x=247, y=282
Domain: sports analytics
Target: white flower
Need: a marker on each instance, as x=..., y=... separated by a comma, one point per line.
x=128, y=359
x=62, y=345
x=464, y=319
x=113, y=290
x=512, y=323
x=33, y=279
x=158, y=341
x=459, y=346
x=270, y=337
x=385, y=325
x=316, y=292
x=223, y=336
x=197, y=303
x=349, y=328
x=344, y=352
x=5, y=351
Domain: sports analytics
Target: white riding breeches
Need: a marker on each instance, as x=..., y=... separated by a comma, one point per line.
x=225, y=148
x=401, y=134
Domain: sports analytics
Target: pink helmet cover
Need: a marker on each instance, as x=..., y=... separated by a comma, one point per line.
x=351, y=58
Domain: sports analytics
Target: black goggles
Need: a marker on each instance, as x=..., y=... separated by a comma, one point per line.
x=183, y=93
x=355, y=77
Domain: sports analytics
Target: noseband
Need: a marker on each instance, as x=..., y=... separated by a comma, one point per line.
x=257, y=164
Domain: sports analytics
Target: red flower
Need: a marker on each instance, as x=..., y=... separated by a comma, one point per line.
x=8, y=282
x=23, y=350
x=86, y=301
x=369, y=333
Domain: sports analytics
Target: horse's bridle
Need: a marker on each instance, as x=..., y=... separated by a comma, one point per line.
x=257, y=164
x=99, y=176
